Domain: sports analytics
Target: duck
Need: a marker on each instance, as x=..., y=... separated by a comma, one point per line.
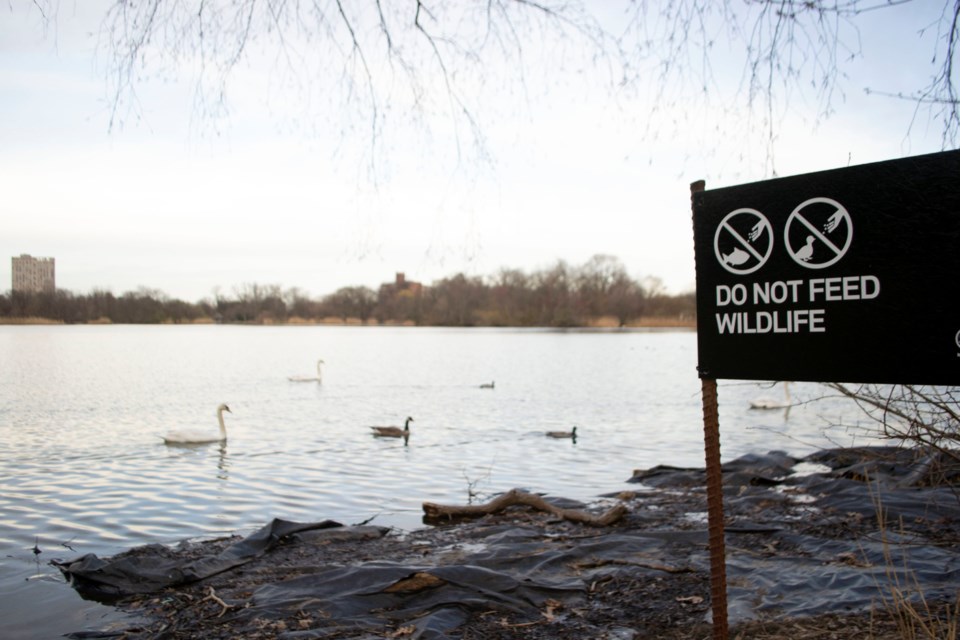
x=806, y=251
x=200, y=437
x=563, y=434
x=393, y=432
x=487, y=385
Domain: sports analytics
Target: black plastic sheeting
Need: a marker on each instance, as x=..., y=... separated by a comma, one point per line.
x=802, y=539
x=154, y=567
x=839, y=532
x=347, y=596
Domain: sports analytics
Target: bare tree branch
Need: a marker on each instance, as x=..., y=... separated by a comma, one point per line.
x=924, y=416
x=384, y=59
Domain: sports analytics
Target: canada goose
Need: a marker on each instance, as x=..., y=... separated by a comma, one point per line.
x=200, y=437
x=393, y=432
x=487, y=385
x=563, y=434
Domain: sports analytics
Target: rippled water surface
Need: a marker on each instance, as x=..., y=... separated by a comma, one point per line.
x=83, y=468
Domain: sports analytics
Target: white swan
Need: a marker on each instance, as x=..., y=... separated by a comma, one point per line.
x=563, y=434
x=317, y=378
x=393, y=432
x=200, y=437
x=773, y=403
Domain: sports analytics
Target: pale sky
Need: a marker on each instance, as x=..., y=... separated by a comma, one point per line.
x=275, y=193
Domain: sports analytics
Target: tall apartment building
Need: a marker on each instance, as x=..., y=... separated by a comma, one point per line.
x=33, y=274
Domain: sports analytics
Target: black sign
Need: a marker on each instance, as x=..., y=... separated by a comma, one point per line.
x=850, y=275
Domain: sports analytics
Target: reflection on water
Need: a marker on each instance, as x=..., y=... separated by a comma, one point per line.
x=82, y=409
x=194, y=451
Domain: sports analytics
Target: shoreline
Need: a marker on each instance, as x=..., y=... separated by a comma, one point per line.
x=601, y=324
x=806, y=551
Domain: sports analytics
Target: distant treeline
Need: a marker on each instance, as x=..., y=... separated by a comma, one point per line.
x=600, y=291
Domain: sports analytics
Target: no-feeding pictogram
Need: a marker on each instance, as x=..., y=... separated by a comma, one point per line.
x=743, y=241
x=818, y=233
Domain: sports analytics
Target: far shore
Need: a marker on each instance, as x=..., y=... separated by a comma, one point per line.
x=604, y=322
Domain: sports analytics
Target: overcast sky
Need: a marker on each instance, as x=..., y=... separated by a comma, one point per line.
x=179, y=201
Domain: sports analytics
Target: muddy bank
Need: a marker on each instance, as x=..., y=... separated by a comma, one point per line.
x=814, y=546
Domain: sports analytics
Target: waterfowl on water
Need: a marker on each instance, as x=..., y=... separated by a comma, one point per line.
x=773, y=403
x=487, y=385
x=200, y=437
x=563, y=434
x=393, y=432
x=317, y=378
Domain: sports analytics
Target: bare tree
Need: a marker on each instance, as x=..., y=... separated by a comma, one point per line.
x=456, y=301
x=508, y=298
x=925, y=416
x=351, y=302
x=255, y=302
x=603, y=288
x=374, y=63
x=432, y=62
x=552, y=295
x=793, y=52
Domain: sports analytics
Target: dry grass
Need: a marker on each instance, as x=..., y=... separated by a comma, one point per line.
x=877, y=625
x=903, y=598
x=28, y=320
x=917, y=620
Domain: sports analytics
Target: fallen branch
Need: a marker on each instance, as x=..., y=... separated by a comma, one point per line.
x=515, y=497
x=212, y=595
x=595, y=564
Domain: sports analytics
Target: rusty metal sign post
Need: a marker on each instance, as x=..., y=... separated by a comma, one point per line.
x=718, y=550
x=711, y=445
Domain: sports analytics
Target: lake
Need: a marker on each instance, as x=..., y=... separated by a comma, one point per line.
x=83, y=468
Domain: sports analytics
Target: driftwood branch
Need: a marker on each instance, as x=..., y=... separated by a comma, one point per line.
x=212, y=595
x=515, y=497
